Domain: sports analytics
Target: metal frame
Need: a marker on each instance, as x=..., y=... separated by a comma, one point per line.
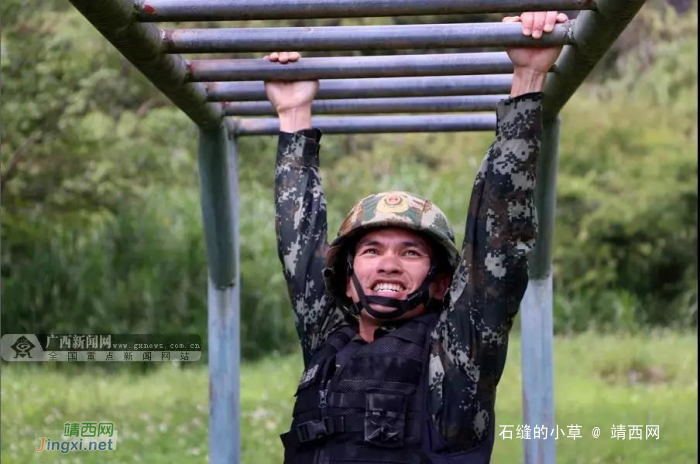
x=345, y=81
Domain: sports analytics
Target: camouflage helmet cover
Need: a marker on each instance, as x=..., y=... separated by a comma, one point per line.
x=386, y=209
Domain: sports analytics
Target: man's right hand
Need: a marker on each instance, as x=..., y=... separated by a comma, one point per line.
x=291, y=99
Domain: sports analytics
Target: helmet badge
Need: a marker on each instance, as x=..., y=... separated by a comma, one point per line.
x=392, y=203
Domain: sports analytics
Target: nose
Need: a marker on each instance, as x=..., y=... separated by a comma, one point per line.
x=389, y=264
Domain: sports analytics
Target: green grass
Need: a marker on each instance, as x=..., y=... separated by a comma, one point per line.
x=600, y=380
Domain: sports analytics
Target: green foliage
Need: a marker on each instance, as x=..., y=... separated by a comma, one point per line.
x=140, y=270
x=101, y=228
x=626, y=251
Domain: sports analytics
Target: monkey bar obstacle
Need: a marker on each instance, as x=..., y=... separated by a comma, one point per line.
x=213, y=91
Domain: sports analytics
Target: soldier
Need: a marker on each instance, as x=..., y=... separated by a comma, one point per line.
x=404, y=337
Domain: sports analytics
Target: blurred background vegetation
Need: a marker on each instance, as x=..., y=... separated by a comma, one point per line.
x=101, y=226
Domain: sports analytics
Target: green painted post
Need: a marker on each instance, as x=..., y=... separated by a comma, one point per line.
x=537, y=308
x=218, y=170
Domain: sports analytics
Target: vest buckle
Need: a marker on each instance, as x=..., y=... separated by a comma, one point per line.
x=317, y=429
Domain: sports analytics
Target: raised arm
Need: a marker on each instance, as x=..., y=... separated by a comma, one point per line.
x=300, y=205
x=471, y=340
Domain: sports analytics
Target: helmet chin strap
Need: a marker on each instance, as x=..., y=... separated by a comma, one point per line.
x=401, y=307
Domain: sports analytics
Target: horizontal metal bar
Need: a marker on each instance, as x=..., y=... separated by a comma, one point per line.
x=374, y=88
x=141, y=44
x=377, y=105
x=372, y=124
x=594, y=32
x=213, y=10
x=351, y=67
x=413, y=36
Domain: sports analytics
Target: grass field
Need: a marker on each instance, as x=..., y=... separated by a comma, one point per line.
x=600, y=381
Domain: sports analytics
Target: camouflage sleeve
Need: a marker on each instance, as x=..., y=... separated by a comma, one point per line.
x=470, y=342
x=300, y=223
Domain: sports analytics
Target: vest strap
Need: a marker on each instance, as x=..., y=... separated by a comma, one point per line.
x=342, y=337
x=413, y=335
x=308, y=400
x=313, y=430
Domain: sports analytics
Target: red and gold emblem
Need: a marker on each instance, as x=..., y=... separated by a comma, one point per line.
x=392, y=203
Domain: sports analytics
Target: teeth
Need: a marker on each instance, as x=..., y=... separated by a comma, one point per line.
x=388, y=288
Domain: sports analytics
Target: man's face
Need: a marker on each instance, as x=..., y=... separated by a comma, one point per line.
x=393, y=262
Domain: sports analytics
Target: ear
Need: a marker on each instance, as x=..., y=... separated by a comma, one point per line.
x=348, y=286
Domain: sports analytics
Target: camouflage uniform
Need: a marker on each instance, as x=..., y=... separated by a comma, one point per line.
x=469, y=343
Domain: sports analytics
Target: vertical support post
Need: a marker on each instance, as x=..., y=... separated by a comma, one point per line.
x=537, y=307
x=218, y=170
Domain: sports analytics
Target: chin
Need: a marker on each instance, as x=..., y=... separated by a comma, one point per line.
x=382, y=309
x=379, y=309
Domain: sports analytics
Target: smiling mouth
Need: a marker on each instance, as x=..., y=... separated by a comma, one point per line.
x=388, y=289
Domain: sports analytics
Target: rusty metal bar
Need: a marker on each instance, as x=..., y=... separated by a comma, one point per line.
x=372, y=124
x=217, y=10
x=377, y=105
x=351, y=67
x=413, y=36
x=374, y=88
x=141, y=44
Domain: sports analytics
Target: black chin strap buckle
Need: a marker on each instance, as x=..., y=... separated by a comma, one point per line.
x=414, y=299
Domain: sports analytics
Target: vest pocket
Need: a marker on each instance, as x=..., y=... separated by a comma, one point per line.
x=385, y=419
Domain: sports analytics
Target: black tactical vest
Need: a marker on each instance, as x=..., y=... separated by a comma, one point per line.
x=367, y=403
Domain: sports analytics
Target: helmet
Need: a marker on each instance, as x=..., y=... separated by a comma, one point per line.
x=386, y=209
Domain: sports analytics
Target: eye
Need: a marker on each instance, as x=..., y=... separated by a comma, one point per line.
x=412, y=253
x=371, y=251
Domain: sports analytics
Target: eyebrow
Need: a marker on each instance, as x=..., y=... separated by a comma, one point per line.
x=406, y=244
